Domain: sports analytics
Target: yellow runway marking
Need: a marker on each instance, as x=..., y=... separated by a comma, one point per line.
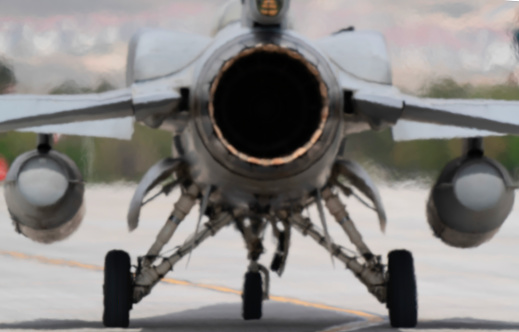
x=45, y=260
x=353, y=326
x=61, y=262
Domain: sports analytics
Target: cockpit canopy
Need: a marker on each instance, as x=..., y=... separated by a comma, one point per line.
x=231, y=12
x=269, y=8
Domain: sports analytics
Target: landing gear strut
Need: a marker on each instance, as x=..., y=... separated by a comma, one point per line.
x=256, y=285
x=394, y=284
x=395, y=287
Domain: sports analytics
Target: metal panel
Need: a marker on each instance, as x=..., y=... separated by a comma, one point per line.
x=361, y=180
x=487, y=116
x=23, y=111
x=158, y=53
x=113, y=128
x=362, y=54
x=406, y=130
x=155, y=175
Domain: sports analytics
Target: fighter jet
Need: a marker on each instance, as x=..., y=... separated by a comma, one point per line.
x=259, y=116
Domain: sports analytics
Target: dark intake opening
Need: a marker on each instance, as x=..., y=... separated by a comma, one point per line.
x=268, y=105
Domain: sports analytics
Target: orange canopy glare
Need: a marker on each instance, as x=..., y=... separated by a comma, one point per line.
x=270, y=7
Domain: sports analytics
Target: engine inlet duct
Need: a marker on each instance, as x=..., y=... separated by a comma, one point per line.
x=44, y=194
x=470, y=201
x=268, y=105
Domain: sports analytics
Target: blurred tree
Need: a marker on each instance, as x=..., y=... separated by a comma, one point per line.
x=446, y=88
x=7, y=79
x=72, y=88
x=12, y=144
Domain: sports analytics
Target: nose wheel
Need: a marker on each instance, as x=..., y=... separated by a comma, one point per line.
x=252, y=296
x=117, y=290
x=401, y=290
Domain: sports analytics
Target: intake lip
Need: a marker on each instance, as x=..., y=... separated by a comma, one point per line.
x=268, y=105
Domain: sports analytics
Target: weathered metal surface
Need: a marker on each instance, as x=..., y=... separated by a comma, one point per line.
x=470, y=201
x=44, y=194
x=362, y=54
x=360, y=179
x=155, y=175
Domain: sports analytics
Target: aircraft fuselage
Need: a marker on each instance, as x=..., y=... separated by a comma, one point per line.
x=266, y=124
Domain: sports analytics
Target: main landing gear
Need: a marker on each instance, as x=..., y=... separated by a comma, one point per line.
x=393, y=284
x=401, y=289
x=117, y=288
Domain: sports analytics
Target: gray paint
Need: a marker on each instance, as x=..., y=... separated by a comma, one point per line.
x=479, y=187
x=362, y=54
x=360, y=179
x=120, y=128
x=156, y=53
x=488, y=117
x=387, y=106
x=464, y=218
x=155, y=175
x=42, y=181
x=45, y=223
x=35, y=111
x=239, y=182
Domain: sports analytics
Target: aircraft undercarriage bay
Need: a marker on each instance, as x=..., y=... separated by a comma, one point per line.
x=259, y=117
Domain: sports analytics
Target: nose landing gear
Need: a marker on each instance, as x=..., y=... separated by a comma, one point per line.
x=252, y=296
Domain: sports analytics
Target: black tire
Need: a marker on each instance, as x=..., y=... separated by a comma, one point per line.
x=401, y=290
x=252, y=296
x=117, y=290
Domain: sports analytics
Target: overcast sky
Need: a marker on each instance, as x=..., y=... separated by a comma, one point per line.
x=48, y=41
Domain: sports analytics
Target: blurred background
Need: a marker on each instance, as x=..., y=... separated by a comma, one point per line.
x=439, y=48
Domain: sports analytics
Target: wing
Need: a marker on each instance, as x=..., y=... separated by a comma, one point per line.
x=108, y=114
x=43, y=113
x=155, y=53
x=405, y=130
x=422, y=118
x=23, y=111
x=361, y=61
x=114, y=128
x=160, y=64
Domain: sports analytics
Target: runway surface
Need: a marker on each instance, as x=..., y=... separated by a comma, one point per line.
x=59, y=287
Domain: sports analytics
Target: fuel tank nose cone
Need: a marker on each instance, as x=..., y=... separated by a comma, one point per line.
x=44, y=193
x=42, y=181
x=479, y=187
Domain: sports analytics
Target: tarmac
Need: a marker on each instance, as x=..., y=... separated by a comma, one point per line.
x=59, y=286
